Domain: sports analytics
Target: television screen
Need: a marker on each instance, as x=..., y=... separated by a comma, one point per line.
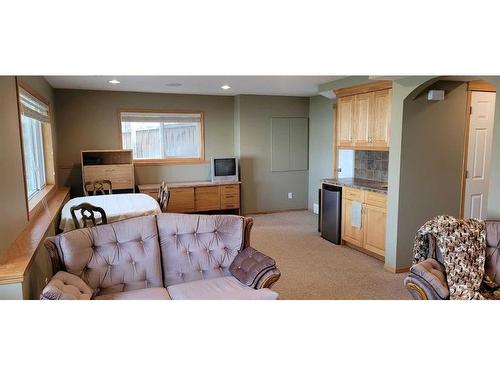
x=225, y=167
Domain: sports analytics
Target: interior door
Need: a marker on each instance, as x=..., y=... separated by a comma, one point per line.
x=479, y=154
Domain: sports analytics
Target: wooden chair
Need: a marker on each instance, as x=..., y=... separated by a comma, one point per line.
x=98, y=186
x=87, y=211
x=163, y=196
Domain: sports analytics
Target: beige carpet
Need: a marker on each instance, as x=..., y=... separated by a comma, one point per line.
x=313, y=268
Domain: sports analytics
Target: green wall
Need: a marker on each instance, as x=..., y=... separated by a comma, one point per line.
x=12, y=196
x=321, y=117
x=89, y=120
x=263, y=190
x=233, y=125
x=432, y=153
x=494, y=191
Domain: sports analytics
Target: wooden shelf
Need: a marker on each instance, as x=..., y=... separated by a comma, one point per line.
x=19, y=256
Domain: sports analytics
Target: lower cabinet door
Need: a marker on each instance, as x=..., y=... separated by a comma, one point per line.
x=349, y=233
x=207, y=198
x=181, y=200
x=375, y=219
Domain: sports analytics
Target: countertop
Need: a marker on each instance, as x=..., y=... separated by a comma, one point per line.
x=358, y=183
x=172, y=185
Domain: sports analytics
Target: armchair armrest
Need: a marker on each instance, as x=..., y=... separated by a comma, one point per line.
x=427, y=280
x=64, y=285
x=254, y=269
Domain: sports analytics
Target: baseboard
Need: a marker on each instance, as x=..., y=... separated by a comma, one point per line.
x=274, y=211
x=364, y=251
x=396, y=269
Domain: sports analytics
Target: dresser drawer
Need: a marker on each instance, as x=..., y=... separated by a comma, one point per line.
x=230, y=196
x=353, y=194
x=376, y=199
x=121, y=176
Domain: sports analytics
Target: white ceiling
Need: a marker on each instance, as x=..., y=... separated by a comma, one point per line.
x=206, y=85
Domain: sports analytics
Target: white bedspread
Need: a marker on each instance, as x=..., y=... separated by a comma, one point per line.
x=117, y=207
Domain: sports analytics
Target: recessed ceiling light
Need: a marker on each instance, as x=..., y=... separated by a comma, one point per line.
x=114, y=82
x=225, y=87
x=173, y=84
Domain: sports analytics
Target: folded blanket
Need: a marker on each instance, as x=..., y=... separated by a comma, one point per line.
x=462, y=244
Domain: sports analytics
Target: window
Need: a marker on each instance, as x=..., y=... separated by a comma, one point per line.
x=35, y=125
x=169, y=137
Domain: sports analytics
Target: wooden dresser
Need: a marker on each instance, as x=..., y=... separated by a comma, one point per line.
x=203, y=196
x=114, y=165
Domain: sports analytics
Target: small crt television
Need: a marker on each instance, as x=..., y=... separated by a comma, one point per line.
x=224, y=169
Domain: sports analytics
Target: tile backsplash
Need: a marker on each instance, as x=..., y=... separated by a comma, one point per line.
x=371, y=165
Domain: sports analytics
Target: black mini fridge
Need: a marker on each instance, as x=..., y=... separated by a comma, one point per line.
x=331, y=213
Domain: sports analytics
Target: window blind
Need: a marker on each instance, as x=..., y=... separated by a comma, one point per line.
x=166, y=118
x=32, y=107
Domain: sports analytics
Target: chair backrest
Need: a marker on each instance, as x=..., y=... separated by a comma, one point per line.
x=163, y=196
x=87, y=211
x=196, y=247
x=98, y=187
x=113, y=258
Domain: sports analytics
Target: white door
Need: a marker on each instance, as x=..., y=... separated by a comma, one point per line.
x=479, y=154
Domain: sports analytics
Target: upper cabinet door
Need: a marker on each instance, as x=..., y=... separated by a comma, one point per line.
x=363, y=114
x=379, y=128
x=345, y=120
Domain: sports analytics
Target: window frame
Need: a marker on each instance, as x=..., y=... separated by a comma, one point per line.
x=35, y=203
x=171, y=160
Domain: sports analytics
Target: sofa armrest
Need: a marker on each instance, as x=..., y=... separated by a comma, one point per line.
x=254, y=269
x=427, y=280
x=268, y=279
x=64, y=285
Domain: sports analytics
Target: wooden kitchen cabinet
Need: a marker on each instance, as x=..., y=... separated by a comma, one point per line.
x=349, y=233
x=363, y=117
x=345, y=121
x=363, y=120
x=375, y=219
x=380, y=125
x=371, y=235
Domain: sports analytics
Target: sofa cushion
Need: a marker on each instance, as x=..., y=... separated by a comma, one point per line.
x=139, y=294
x=218, y=288
x=66, y=286
x=198, y=247
x=250, y=265
x=113, y=258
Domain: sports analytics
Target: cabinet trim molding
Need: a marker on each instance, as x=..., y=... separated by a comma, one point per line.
x=363, y=89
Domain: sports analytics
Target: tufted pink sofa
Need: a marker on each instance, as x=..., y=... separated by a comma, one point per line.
x=168, y=256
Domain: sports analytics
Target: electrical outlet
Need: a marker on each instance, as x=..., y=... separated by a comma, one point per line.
x=316, y=208
x=290, y=195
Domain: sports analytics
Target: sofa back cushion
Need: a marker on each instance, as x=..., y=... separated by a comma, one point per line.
x=197, y=247
x=492, y=265
x=114, y=258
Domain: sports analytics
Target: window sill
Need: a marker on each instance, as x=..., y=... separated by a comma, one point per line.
x=18, y=257
x=169, y=161
x=39, y=200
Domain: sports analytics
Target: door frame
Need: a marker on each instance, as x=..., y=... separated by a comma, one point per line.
x=472, y=86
